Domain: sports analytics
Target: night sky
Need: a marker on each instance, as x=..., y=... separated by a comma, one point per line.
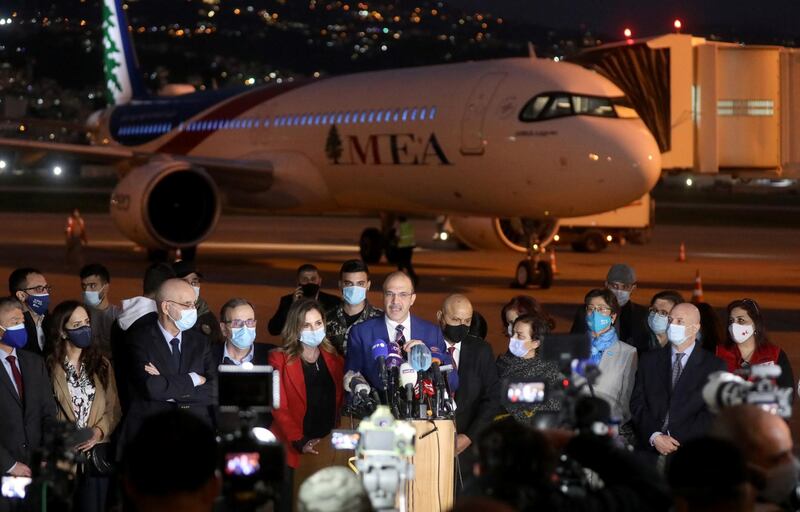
x=649, y=17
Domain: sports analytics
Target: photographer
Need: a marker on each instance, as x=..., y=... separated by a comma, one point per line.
x=518, y=465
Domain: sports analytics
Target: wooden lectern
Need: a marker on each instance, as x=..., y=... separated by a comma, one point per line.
x=433, y=487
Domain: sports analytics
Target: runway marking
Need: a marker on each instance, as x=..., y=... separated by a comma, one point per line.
x=234, y=246
x=743, y=256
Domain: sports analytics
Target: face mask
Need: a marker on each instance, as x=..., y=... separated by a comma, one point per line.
x=676, y=334
x=456, y=333
x=597, y=322
x=354, y=295
x=657, y=323
x=91, y=298
x=15, y=336
x=781, y=482
x=510, y=330
x=312, y=338
x=517, y=347
x=80, y=337
x=38, y=303
x=310, y=290
x=741, y=333
x=243, y=337
x=623, y=296
x=187, y=320
x=196, y=292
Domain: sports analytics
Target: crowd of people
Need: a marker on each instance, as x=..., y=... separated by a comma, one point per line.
x=142, y=377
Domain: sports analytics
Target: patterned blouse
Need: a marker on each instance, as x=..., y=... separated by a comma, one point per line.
x=81, y=391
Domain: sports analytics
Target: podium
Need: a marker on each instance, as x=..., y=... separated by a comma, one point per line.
x=433, y=487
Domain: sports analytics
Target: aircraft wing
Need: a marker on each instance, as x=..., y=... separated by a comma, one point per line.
x=246, y=176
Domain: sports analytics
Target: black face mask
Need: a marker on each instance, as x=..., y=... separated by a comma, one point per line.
x=310, y=290
x=455, y=333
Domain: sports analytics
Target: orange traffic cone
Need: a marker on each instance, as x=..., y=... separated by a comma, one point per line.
x=553, y=265
x=682, y=253
x=697, y=293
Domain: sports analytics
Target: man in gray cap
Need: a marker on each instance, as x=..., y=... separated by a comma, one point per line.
x=631, y=322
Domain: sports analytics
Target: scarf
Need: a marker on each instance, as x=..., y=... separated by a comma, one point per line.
x=601, y=343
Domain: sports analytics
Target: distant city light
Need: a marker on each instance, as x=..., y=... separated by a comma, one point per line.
x=627, y=32
x=689, y=182
x=250, y=81
x=57, y=170
x=3, y=164
x=678, y=24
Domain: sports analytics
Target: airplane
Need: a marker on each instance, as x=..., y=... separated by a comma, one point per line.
x=523, y=138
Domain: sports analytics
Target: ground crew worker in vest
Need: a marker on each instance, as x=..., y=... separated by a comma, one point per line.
x=75, y=239
x=405, y=248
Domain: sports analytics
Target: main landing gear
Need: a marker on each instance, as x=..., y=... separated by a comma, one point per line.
x=535, y=270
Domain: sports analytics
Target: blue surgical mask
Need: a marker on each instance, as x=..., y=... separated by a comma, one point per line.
x=598, y=322
x=15, y=336
x=187, y=320
x=38, y=303
x=80, y=337
x=676, y=334
x=312, y=338
x=243, y=337
x=92, y=298
x=517, y=347
x=354, y=295
x=657, y=323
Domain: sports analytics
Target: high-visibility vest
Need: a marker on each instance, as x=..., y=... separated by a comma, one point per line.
x=405, y=235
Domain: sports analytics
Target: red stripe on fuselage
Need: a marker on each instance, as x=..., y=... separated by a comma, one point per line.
x=184, y=142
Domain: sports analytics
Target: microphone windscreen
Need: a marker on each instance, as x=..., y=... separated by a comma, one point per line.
x=379, y=349
x=394, y=348
x=394, y=361
x=420, y=357
x=408, y=375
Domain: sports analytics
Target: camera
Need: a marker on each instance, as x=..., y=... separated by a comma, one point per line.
x=755, y=385
x=251, y=458
x=524, y=392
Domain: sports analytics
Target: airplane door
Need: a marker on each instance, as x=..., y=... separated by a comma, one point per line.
x=472, y=137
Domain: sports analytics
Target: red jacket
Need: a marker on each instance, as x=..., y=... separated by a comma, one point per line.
x=288, y=418
x=767, y=353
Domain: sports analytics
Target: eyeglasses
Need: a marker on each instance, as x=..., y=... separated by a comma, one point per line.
x=659, y=313
x=39, y=289
x=185, y=305
x=236, y=323
x=401, y=295
x=605, y=310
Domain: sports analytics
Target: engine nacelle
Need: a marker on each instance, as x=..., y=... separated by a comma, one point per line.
x=494, y=234
x=166, y=204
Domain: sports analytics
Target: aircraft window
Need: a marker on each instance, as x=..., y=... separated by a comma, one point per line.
x=371, y=116
x=379, y=117
x=396, y=115
x=303, y=120
x=624, y=108
x=297, y=120
x=413, y=114
x=593, y=106
x=266, y=122
x=363, y=116
x=388, y=117
x=554, y=105
x=339, y=117
x=432, y=114
x=423, y=113
x=405, y=114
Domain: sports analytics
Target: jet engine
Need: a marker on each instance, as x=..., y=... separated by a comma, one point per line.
x=496, y=234
x=166, y=204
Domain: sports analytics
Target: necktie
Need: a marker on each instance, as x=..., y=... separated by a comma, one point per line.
x=17, y=377
x=677, y=368
x=176, y=353
x=399, y=337
x=452, y=351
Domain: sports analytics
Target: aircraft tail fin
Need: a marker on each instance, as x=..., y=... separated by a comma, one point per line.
x=123, y=79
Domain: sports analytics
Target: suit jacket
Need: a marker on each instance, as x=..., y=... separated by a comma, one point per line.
x=260, y=353
x=105, y=412
x=150, y=394
x=288, y=418
x=33, y=339
x=363, y=335
x=21, y=427
x=328, y=302
x=617, y=376
x=631, y=325
x=120, y=352
x=653, y=395
x=478, y=397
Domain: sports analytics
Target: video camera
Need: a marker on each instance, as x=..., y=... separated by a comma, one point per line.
x=755, y=385
x=251, y=458
x=383, y=447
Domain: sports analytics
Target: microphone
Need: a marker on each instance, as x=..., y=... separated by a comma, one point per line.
x=408, y=377
x=394, y=357
x=379, y=353
x=356, y=383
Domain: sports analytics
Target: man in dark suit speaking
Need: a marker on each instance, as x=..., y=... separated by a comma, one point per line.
x=26, y=396
x=667, y=405
x=171, y=365
x=396, y=324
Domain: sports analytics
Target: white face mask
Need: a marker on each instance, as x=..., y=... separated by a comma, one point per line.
x=676, y=334
x=741, y=333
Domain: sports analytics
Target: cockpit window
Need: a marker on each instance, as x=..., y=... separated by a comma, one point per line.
x=553, y=105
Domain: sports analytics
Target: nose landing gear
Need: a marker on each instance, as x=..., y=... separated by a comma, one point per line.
x=535, y=269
